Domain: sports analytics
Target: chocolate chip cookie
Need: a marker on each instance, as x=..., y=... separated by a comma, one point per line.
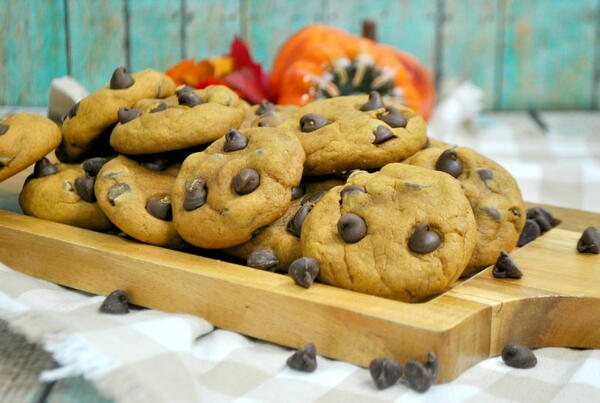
x=267, y=114
x=241, y=182
x=138, y=200
x=494, y=196
x=63, y=193
x=201, y=116
x=95, y=115
x=404, y=232
x=24, y=139
x=358, y=131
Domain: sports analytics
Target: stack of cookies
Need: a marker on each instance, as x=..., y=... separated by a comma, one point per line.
x=349, y=189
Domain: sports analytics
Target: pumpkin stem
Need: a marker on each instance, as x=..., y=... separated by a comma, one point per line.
x=369, y=29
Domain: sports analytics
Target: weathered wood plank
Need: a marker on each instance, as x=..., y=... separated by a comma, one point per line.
x=75, y=390
x=548, y=54
x=155, y=34
x=32, y=50
x=209, y=27
x=469, y=48
x=97, y=35
x=270, y=22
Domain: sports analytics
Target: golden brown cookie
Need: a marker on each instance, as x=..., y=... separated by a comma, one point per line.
x=138, y=200
x=404, y=232
x=267, y=114
x=200, y=117
x=351, y=132
x=63, y=193
x=94, y=116
x=25, y=139
x=494, y=196
x=240, y=183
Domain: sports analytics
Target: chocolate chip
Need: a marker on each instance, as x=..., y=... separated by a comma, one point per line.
x=313, y=197
x=128, y=114
x=385, y=372
x=352, y=188
x=450, y=163
x=494, y=213
x=157, y=164
x=84, y=186
x=414, y=186
x=383, y=134
x=265, y=107
x=234, y=140
x=311, y=122
x=297, y=192
x=305, y=359
x=589, y=241
x=121, y=79
x=294, y=226
x=485, y=174
x=259, y=230
x=3, y=129
x=263, y=259
x=515, y=211
x=195, y=195
x=542, y=217
x=352, y=228
x=44, y=168
x=427, y=144
x=189, y=99
x=246, y=181
x=159, y=207
x=505, y=267
x=263, y=123
x=424, y=239
x=116, y=303
x=393, y=117
x=518, y=356
x=530, y=232
x=4, y=161
x=418, y=376
x=433, y=365
x=185, y=88
x=374, y=102
x=92, y=166
x=304, y=270
x=160, y=107
x=117, y=190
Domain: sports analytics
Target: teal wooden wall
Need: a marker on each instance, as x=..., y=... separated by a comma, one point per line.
x=525, y=54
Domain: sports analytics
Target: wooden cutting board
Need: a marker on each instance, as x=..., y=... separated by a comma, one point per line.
x=556, y=303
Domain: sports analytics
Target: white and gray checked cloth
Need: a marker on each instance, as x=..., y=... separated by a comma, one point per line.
x=150, y=356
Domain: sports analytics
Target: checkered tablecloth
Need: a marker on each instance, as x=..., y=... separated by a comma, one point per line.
x=150, y=356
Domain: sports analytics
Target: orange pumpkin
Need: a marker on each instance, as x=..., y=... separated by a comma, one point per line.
x=322, y=62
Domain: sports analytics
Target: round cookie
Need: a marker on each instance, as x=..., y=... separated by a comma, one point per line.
x=24, y=139
x=404, y=232
x=138, y=200
x=494, y=196
x=241, y=182
x=93, y=117
x=267, y=114
x=200, y=117
x=62, y=193
x=358, y=131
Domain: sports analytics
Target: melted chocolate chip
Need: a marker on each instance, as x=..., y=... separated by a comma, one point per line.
x=263, y=123
x=294, y=226
x=424, y=239
x=92, y=166
x=3, y=129
x=311, y=122
x=530, y=232
x=352, y=188
x=265, y=107
x=304, y=271
x=450, y=163
x=160, y=107
x=313, y=197
x=352, y=228
x=156, y=164
x=117, y=190
x=259, y=230
x=185, y=88
x=494, y=213
x=383, y=134
x=393, y=117
x=263, y=259
x=485, y=174
x=121, y=79
x=44, y=168
x=305, y=359
x=542, y=217
x=589, y=241
x=374, y=102
x=246, y=181
x=115, y=303
x=418, y=376
x=189, y=99
x=234, y=141
x=84, y=186
x=518, y=356
x=160, y=207
x=297, y=192
x=385, y=372
x=128, y=114
x=195, y=195
x=433, y=365
x=515, y=211
x=505, y=267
